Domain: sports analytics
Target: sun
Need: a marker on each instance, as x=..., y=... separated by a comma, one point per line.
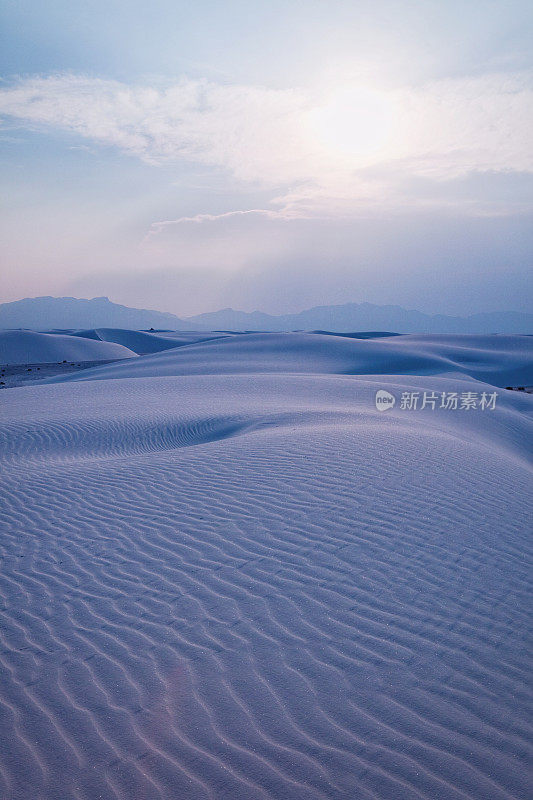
x=355, y=123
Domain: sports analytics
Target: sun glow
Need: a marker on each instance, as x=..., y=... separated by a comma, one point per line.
x=355, y=124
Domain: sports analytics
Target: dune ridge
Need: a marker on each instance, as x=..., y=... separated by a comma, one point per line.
x=31, y=347
x=496, y=359
x=142, y=342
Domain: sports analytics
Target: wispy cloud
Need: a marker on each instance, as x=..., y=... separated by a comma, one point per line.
x=243, y=129
x=439, y=132
x=159, y=227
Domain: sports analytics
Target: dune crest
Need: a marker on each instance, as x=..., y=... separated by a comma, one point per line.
x=30, y=347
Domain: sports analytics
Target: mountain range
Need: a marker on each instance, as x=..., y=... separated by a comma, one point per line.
x=64, y=313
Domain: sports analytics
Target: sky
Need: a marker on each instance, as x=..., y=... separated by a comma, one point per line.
x=268, y=155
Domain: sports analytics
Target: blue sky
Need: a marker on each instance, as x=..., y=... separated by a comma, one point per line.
x=268, y=155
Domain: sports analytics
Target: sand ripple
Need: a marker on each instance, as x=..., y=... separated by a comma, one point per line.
x=283, y=600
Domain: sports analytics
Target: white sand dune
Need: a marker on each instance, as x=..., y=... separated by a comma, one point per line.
x=142, y=342
x=497, y=359
x=254, y=585
x=30, y=347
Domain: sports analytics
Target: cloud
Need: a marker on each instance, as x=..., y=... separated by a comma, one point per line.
x=157, y=228
x=264, y=212
x=438, y=132
x=234, y=127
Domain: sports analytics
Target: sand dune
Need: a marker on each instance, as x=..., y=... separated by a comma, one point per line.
x=30, y=347
x=254, y=584
x=142, y=342
x=501, y=360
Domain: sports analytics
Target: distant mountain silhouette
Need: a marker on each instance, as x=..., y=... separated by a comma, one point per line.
x=365, y=316
x=45, y=313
